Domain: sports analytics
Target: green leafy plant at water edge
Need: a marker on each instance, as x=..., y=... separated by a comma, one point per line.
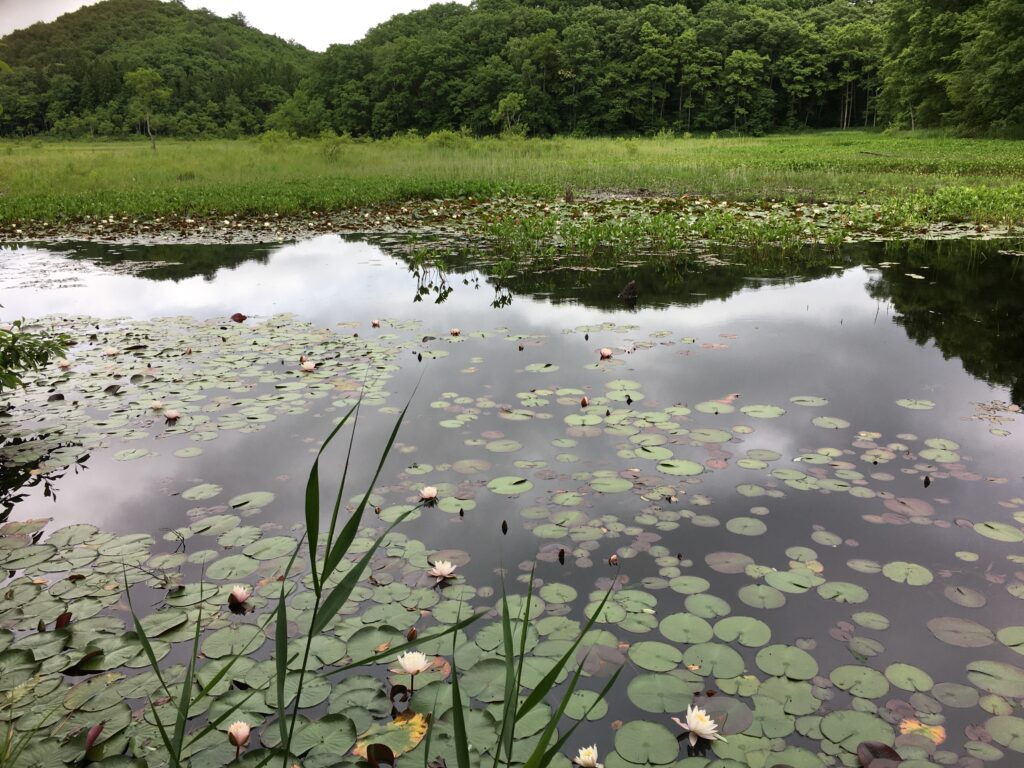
x=24, y=350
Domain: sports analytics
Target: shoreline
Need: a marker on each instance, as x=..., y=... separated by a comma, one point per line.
x=478, y=220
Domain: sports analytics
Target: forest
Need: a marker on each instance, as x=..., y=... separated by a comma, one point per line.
x=533, y=67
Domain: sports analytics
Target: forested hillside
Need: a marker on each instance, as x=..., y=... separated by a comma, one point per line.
x=96, y=71
x=540, y=67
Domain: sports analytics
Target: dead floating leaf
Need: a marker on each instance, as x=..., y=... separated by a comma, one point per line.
x=401, y=735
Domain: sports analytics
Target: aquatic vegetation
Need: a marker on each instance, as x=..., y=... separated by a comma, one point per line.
x=815, y=558
x=871, y=183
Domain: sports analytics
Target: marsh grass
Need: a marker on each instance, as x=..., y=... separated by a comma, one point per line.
x=928, y=176
x=332, y=587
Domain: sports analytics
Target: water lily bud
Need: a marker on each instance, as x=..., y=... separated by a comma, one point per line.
x=606, y=354
x=584, y=401
x=238, y=734
x=92, y=735
x=613, y=560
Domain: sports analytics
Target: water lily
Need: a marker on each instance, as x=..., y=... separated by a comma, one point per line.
x=63, y=363
x=414, y=662
x=239, y=594
x=584, y=401
x=606, y=354
x=109, y=351
x=375, y=323
x=443, y=569
x=455, y=332
x=307, y=365
x=587, y=758
x=157, y=405
x=238, y=735
x=428, y=495
x=700, y=725
x=172, y=415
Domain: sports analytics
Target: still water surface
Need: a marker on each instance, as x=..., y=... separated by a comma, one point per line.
x=826, y=478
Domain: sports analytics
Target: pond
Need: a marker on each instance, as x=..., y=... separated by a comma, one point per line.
x=804, y=489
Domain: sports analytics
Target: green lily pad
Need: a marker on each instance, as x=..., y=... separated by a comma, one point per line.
x=645, y=743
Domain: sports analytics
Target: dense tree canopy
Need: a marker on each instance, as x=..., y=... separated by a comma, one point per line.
x=532, y=66
x=93, y=72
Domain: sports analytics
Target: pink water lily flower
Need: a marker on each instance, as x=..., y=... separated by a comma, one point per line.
x=606, y=354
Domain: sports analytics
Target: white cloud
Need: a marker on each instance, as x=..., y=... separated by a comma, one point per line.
x=315, y=24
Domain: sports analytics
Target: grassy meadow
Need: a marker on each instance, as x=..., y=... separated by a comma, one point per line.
x=936, y=177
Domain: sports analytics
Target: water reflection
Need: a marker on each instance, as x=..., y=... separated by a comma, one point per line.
x=859, y=336
x=966, y=297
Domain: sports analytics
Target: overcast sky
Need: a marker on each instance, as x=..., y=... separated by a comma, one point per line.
x=313, y=23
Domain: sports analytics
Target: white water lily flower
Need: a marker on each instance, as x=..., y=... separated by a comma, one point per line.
x=238, y=734
x=428, y=493
x=307, y=365
x=239, y=594
x=414, y=662
x=587, y=758
x=109, y=351
x=157, y=405
x=443, y=569
x=700, y=725
x=63, y=363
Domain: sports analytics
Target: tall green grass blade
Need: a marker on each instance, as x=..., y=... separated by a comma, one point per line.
x=147, y=647
x=506, y=733
x=225, y=668
x=525, y=623
x=536, y=759
x=458, y=715
x=548, y=681
x=185, y=703
x=340, y=495
x=340, y=547
x=557, y=747
x=164, y=736
x=338, y=596
x=430, y=731
x=281, y=664
x=205, y=691
x=313, y=499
